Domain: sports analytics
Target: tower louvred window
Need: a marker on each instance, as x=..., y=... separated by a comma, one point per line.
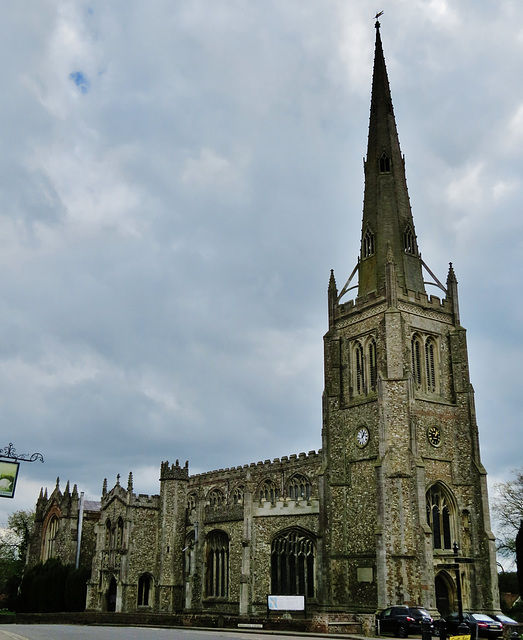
x=416, y=361
x=431, y=368
x=360, y=370
x=373, y=365
x=425, y=363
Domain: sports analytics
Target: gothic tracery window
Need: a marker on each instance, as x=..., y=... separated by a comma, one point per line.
x=299, y=488
x=50, y=539
x=237, y=495
x=217, y=565
x=191, y=501
x=292, y=564
x=216, y=498
x=440, y=517
x=269, y=491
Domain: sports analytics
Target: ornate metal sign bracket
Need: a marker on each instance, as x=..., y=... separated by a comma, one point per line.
x=10, y=452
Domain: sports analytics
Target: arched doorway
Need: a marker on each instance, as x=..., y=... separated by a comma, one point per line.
x=444, y=594
x=111, y=595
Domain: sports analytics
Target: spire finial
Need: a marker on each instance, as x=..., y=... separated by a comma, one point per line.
x=380, y=13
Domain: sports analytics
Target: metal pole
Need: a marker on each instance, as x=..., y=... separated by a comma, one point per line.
x=80, y=523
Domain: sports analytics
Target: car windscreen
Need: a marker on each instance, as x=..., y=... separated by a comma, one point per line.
x=482, y=617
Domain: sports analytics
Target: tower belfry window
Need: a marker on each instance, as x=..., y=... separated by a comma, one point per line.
x=368, y=244
x=384, y=163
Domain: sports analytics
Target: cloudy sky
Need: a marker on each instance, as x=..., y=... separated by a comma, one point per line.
x=177, y=179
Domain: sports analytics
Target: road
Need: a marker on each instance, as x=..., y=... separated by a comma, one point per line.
x=77, y=632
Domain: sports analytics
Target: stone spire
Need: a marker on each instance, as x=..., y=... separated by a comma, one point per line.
x=387, y=217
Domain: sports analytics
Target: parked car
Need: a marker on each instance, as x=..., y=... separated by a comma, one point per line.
x=479, y=624
x=505, y=619
x=402, y=620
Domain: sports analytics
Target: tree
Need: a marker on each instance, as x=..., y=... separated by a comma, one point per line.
x=508, y=509
x=14, y=541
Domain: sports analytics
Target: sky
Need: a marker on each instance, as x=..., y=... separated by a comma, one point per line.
x=177, y=179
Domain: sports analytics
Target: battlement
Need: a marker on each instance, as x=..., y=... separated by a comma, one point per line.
x=146, y=501
x=174, y=472
x=374, y=299
x=277, y=463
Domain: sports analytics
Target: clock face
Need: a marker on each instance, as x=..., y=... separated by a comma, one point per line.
x=362, y=437
x=434, y=436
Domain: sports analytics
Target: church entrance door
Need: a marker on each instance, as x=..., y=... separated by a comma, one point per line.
x=111, y=595
x=443, y=596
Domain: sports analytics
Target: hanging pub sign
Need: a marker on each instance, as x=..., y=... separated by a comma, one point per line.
x=8, y=476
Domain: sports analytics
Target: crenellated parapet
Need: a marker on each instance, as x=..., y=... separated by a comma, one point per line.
x=174, y=472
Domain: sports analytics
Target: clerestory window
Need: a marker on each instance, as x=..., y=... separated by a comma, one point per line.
x=299, y=488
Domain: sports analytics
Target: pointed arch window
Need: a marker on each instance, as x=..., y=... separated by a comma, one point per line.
x=145, y=582
x=269, y=492
x=363, y=356
x=430, y=355
x=409, y=240
x=215, y=498
x=292, y=564
x=384, y=163
x=217, y=565
x=50, y=539
x=425, y=364
x=191, y=502
x=368, y=244
x=360, y=369
x=237, y=495
x=440, y=517
x=299, y=488
x=108, y=534
x=373, y=365
x=416, y=360
x=119, y=532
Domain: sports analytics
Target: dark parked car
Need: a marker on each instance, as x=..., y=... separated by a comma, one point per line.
x=480, y=625
x=402, y=620
x=505, y=619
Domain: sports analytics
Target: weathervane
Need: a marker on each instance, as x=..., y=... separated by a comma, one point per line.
x=380, y=13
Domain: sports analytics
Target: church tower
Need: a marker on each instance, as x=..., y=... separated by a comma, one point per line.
x=404, y=491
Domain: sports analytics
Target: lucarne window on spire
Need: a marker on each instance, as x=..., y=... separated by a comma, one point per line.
x=384, y=163
x=409, y=241
x=368, y=244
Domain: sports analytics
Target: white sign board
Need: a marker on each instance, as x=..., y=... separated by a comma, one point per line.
x=286, y=603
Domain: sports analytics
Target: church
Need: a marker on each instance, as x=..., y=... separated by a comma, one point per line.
x=385, y=513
